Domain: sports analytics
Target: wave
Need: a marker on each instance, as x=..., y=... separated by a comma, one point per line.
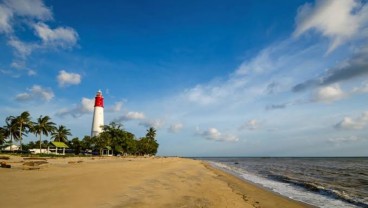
x=317, y=188
x=309, y=193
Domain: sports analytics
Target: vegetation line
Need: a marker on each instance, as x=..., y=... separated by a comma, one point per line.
x=113, y=137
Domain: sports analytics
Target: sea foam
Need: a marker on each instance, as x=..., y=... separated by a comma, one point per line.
x=286, y=189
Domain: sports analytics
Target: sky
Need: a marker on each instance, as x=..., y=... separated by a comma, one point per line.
x=214, y=77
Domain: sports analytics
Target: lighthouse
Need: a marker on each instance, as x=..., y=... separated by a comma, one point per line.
x=98, y=115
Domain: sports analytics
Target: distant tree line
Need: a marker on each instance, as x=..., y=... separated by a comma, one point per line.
x=113, y=136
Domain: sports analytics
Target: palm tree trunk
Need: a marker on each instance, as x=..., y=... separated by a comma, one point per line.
x=20, y=136
x=40, y=144
x=11, y=142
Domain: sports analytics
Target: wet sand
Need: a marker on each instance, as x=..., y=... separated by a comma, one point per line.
x=128, y=182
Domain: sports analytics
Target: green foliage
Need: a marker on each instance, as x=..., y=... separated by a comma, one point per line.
x=113, y=135
x=151, y=133
x=61, y=134
x=2, y=136
x=10, y=131
x=76, y=145
x=23, y=123
x=43, y=126
x=124, y=142
x=87, y=143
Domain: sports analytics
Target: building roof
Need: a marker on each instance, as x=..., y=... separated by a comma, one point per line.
x=60, y=144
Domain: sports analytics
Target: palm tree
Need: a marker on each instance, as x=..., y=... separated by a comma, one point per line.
x=61, y=134
x=10, y=130
x=2, y=135
x=151, y=133
x=43, y=126
x=24, y=123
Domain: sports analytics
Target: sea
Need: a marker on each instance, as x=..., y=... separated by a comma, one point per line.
x=321, y=182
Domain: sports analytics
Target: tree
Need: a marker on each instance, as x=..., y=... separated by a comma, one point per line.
x=10, y=130
x=2, y=135
x=131, y=144
x=31, y=145
x=43, y=143
x=24, y=124
x=43, y=126
x=87, y=143
x=149, y=142
x=102, y=141
x=115, y=136
x=151, y=133
x=76, y=145
x=61, y=134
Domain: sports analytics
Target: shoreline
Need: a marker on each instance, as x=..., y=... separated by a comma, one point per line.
x=129, y=182
x=254, y=192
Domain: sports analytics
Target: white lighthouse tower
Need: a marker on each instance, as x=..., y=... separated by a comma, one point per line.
x=98, y=115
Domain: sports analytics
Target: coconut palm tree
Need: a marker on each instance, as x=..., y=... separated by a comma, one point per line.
x=10, y=130
x=43, y=126
x=24, y=123
x=61, y=134
x=2, y=135
x=151, y=133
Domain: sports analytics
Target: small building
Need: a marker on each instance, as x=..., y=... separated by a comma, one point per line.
x=57, y=148
x=12, y=147
x=107, y=151
x=37, y=151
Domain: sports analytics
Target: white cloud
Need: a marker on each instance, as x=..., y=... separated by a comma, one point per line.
x=22, y=49
x=5, y=16
x=31, y=72
x=218, y=91
x=158, y=123
x=131, y=116
x=215, y=135
x=64, y=78
x=86, y=106
x=361, y=89
x=200, y=95
x=20, y=66
x=350, y=123
x=175, y=128
x=338, y=20
x=259, y=64
x=30, y=8
x=253, y=78
x=250, y=125
x=36, y=93
x=329, y=94
x=116, y=107
x=64, y=37
x=15, y=15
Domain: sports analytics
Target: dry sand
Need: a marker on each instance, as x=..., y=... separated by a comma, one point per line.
x=128, y=182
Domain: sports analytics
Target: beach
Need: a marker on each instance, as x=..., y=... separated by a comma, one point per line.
x=128, y=182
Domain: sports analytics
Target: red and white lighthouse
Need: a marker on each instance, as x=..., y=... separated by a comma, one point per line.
x=98, y=115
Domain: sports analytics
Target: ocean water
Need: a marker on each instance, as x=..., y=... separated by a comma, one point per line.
x=322, y=182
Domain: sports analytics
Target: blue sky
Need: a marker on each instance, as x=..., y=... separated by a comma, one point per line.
x=216, y=78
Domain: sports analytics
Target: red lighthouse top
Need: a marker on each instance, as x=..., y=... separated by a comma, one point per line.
x=99, y=99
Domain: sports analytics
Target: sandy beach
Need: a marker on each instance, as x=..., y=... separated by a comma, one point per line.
x=128, y=182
